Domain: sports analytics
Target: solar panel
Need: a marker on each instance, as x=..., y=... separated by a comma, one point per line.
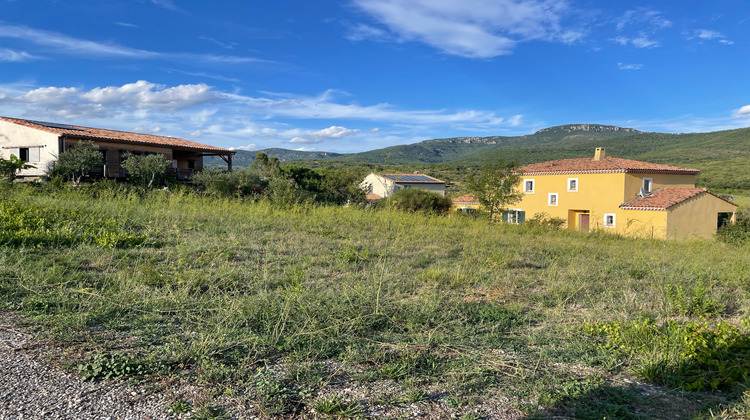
x=410, y=178
x=54, y=125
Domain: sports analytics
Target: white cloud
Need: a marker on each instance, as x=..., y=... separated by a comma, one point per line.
x=468, y=28
x=167, y=4
x=60, y=43
x=743, y=112
x=126, y=24
x=143, y=94
x=305, y=149
x=333, y=132
x=643, y=16
x=375, y=130
x=361, y=32
x=623, y=66
x=12, y=56
x=709, y=35
x=248, y=147
x=642, y=41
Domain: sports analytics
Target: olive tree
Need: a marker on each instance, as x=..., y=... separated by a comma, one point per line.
x=146, y=171
x=77, y=162
x=496, y=187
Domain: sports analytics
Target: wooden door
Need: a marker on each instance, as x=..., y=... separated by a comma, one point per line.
x=583, y=222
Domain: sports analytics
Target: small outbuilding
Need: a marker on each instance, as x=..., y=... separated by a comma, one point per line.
x=379, y=186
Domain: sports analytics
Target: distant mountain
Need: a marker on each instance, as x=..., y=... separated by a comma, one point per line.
x=452, y=149
x=245, y=158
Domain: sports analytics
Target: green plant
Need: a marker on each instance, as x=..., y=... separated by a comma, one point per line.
x=9, y=167
x=496, y=186
x=420, y=200
x=692, y=300
x=210, y=413
x=694, y=356
x=113, y=366
x=78, y=161
x=146, y=171
x=180, y=407
x=274, y=396
x=336, y=406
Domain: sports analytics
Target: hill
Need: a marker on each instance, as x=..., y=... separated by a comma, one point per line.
x=245, y=158
x=722, y=156
x=451, y=149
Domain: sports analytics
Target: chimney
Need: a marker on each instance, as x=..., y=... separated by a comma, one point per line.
x=599, y=154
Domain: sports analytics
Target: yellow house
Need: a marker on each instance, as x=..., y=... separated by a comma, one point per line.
x=624, y=196
x=466, y=203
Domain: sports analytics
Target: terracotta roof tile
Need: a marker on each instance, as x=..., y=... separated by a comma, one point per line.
x=373, y=197
x=465, y=199
x=412, y=178
x=76, y=131
x=607, y=165
x=664, y=198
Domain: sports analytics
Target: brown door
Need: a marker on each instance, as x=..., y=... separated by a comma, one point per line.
x=583, y=222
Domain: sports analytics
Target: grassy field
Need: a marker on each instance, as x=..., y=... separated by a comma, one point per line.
x=354, y=313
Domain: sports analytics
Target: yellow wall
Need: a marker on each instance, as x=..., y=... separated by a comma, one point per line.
x=696, y=217
x=601, y=194
x=634, y=182
x=597, y=193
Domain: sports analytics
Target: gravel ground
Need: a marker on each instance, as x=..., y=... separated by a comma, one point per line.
x=32, y=389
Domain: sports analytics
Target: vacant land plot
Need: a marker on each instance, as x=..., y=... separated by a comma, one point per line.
x=350, y=312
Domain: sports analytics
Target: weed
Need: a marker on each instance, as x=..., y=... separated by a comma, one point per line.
x=336, y=406
x=210, y=413
x=180, y=407
x=113, y=366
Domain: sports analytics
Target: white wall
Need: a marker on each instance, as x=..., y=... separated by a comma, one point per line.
x=18, y=136
x=384, y=187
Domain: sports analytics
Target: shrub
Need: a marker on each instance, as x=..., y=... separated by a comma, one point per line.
x=543, y=221
x=78, y=162
x=417, y=199
x=9, y=168
x=146, y=171
x=693, y=356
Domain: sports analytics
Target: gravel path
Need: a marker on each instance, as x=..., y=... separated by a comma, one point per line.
x=31, y=389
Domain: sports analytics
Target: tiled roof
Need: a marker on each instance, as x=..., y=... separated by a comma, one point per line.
x=412, y=179
x=664, y=198
x=76, y=131
x=466, y=199
x=607, y=165
x=373, y=197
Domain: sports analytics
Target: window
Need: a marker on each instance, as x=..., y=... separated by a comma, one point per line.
x=552, y=199
x=648, y=184
x=514, y=216
x=609, y=220
x=528, y=186
x=572, y=184
x=26, y=154
x=191, y=163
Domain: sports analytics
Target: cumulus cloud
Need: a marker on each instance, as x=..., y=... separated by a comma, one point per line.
x=248, y=147
x=143, y=94
x=333, y=132
x=468, y=28
x=623, y=66
x=12, y=56
x=743, y=112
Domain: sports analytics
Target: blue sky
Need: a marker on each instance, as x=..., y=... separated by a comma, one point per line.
x=356, y=75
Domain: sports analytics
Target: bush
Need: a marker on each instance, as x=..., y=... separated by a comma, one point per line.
x=78, y=162
x=417, y=199
x=694, y=356
x=543, y=221
x=146, y=171
x=738, y=233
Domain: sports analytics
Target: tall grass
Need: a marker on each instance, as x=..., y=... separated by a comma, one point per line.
x=221, y=287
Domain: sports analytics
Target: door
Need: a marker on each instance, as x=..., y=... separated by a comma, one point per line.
x=583, y=222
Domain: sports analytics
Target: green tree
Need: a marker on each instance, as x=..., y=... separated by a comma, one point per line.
x=77, y=162
x=9, y=168
x=146, y=171
x=417, y=199
x=496, y=187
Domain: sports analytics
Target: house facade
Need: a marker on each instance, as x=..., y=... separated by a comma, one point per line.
x=620, y=195
x=39, y=143
x=379, y=186
x=466, y=203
